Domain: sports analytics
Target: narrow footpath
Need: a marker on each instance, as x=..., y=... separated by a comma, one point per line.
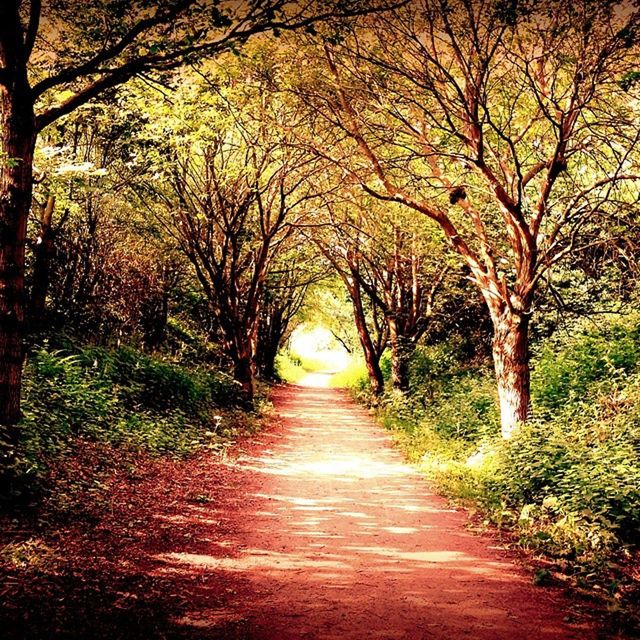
x=335, y=537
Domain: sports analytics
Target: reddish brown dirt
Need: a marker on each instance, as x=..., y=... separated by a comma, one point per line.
x=343, y=540
x=316, y=529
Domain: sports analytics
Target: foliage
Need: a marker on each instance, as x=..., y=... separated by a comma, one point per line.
x=122, y=397
x=608, y=353
x=292, y=366
x=354, y=376
x=289, y=367
x=29, y=555
x=568, y=483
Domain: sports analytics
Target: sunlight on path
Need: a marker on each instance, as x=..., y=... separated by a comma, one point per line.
x=339, y=539
x=317, y=380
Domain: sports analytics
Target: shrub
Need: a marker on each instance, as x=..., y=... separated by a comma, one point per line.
x=564, y=373
x=289, y=367
x=122, y=397
x=569, y=481
x=354, y=377
x=586, y=460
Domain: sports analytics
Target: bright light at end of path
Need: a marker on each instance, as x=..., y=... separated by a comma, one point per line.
x=318, y=344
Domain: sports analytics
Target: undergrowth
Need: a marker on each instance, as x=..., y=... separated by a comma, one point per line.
x=289, y=367
x=353, y=376
x=120, y=397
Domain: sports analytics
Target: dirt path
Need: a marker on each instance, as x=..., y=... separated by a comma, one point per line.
x=335, y=537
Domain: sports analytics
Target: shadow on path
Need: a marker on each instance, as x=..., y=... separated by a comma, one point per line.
x=343, y=540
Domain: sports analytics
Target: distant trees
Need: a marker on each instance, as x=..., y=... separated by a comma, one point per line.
x=96, y=267
x=284, y=294
x=371, y=325
x=389, y=262
x=507, y=125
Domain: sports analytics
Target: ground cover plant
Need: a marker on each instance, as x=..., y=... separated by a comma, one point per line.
x=121, y=398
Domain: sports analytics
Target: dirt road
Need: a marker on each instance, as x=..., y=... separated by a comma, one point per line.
x=336, y=538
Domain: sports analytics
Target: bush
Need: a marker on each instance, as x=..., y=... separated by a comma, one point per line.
x=569, y=481
x=289, y=367
x=354, y=377
x=122, y=397
x=585, y=461
x=564, y=373
x=154, y=383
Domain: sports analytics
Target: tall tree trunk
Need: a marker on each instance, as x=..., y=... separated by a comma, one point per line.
x=243, y=373
x=17, y=137
x=43, y=254
x=266, y=352
x=376, y=379
x=401, y=351
x=270, y=332
x=511, y=361
x=371, y=357
x=267, y=359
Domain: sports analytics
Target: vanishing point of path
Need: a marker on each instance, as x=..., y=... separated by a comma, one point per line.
x=336, y=538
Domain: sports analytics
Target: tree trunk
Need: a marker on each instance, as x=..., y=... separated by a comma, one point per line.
x=271, y=330
x=266, y=352
x=401, y=350
x=267, y=360
x=269, y=367
x=43, y=254
x=511, y=361
x=243, y=373
x=17, y=136
x=371, y=357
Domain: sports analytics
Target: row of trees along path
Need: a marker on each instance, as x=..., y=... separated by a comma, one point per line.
x=514, y=136
x=337, y=538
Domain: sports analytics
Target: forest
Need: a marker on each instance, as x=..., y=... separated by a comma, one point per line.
x=408, y=220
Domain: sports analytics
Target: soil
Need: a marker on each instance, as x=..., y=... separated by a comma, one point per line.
x=315, y=529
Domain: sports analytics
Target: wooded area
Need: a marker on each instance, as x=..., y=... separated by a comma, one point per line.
x=450, y=188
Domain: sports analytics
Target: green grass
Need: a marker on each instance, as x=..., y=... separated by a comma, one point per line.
x=354, y=376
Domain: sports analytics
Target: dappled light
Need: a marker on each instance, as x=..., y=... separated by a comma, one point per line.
x=339, y=531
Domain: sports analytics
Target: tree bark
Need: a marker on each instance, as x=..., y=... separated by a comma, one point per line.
x=268, y=351
x=401, y=350
x=43, y=254
x=371, y=357
x=271, y=330
x=511, y=361
x=17, y=137
x=243, y=373
x=376, y=378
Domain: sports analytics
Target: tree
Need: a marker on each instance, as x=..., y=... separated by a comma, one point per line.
x=43, y=251
x=342, y=252
x=506, y=125
x=95, y=266
x=55, y=57
x=229, y=205
x=396, y=266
